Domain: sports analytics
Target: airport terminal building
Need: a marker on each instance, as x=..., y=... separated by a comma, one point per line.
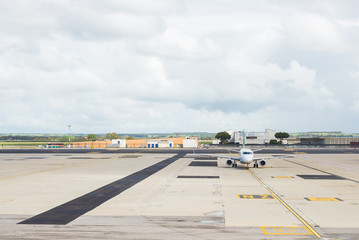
x=252, y=137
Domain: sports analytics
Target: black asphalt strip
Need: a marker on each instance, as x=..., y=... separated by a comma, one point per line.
x=197, y=176
x=73, y=209
x=203, y=164
x=321, y=177
x=206, y=158
x=338, y=177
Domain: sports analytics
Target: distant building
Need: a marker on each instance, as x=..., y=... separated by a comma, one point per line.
x=252, y=137
x=216, y=141
x=329, y=140
x=190, y=143
x=291, y=141
x=141, y=143
x=120, y=143
x=55, y=145
x=159, y=143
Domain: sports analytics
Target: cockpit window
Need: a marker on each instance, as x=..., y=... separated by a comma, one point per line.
x=247, y=153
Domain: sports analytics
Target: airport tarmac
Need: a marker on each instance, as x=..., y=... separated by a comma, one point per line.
x=178, y=195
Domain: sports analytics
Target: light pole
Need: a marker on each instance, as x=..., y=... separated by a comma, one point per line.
x=69, y=135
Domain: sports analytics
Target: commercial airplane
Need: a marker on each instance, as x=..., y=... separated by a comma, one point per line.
x=246, y=157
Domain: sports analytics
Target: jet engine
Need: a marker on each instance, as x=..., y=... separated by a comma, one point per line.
x=262, y=162
x=229, y=162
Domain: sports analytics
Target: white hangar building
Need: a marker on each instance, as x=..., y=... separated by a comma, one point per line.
x=252, y=137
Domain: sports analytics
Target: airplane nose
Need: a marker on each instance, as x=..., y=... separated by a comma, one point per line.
x=247, y=159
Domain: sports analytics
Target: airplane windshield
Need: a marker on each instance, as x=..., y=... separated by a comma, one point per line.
x=247, y=153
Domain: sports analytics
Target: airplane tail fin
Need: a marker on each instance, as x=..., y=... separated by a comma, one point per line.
x=244, y=139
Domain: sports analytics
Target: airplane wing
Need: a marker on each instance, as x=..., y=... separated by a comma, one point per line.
x=274, y=156
x=218, y=156
x=262, y=158
x=238, y=151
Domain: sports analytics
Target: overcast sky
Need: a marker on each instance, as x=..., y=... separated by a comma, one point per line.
x=132, y=66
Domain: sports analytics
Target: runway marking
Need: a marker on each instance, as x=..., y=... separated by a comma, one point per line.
x=321, y=171
x=183, y=176
x=205, y=158
x=255, y=196
x=323, y=199
x=203, y=164
x=67, y=212
x=326, y=177
x=286, y=205
x=280, y=230
x=282, y=177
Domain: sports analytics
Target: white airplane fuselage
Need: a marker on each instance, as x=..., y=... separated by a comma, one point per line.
x=246, y=156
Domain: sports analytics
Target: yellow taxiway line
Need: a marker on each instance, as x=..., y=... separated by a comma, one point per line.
x=286, y=205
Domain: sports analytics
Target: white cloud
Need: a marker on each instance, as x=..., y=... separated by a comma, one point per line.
x=158, y=7
x=354, y=75
x=314, y=32
x=177, y=44
x=355, y=106
x=133, y=66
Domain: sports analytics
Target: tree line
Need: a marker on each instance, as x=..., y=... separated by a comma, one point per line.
x=60, y=138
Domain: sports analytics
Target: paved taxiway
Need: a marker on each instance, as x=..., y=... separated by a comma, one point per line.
x=164, y=195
